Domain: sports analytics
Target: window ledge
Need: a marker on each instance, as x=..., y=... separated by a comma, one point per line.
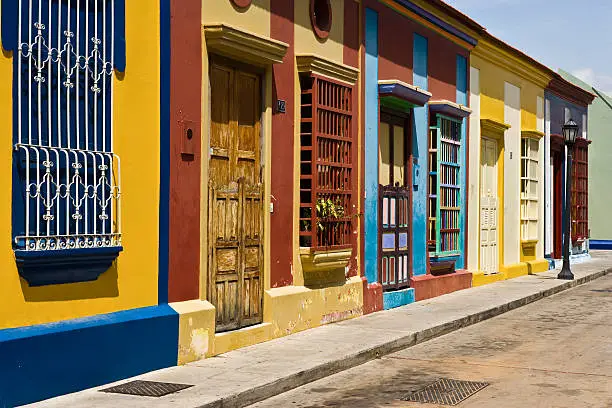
x=41, y=268
x=449, y=108
x=311, y=63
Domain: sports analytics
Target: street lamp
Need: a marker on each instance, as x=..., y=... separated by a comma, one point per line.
x=570, y=131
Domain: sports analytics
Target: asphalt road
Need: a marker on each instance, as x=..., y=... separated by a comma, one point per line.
x=556, y=352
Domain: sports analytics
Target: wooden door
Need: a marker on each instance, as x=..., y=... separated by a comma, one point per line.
x=488, y=207
x=235, y=197
x=395, y=199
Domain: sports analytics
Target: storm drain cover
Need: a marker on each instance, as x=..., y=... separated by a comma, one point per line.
x=147, y=388
x=446, y=391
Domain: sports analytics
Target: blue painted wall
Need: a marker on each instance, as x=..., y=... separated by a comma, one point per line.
x=371, y=146
x=462, y=82
x=420, y=136
x=398, y=298
x=43, y=361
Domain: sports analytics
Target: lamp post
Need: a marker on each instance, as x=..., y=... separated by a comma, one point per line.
x=570, y=131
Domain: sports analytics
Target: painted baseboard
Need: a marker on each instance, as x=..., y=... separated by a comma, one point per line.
x=600, y=244
x=398, y=298
x=48, y=360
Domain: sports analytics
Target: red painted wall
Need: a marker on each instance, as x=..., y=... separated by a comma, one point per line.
x=281, y=220
x=394, y=46
x=351, y=57
x=442, y=67
x=185, y=111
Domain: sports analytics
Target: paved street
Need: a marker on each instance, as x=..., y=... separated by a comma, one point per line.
x=556, y=352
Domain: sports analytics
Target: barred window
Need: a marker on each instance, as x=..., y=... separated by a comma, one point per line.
x=326, y=163
x=580, y=191
x=529, y=188
x=444, y=186
x=67, y=176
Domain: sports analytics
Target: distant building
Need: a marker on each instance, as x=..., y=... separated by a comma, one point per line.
x=599, y=126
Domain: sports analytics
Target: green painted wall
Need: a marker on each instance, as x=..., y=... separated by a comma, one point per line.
x=599, y=130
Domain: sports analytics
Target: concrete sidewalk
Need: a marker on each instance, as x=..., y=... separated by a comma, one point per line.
x=248, y=375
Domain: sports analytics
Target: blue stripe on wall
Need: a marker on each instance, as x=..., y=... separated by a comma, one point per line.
x=164, y=165
x=371, y=146
x=462, y=99
x=420, y=137
x=44, y=361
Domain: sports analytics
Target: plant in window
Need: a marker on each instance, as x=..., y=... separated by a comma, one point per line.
x=327, y=209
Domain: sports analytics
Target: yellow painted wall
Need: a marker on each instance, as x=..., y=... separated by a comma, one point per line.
x=255, y=18
x=132, y=281
x=306, y=42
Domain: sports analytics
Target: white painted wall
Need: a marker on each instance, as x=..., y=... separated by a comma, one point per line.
x=548, y=187
x=512, y=174
x=473, y=247
x=542, y=153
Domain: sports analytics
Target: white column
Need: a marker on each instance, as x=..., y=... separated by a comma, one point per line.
x=473, y=247
x=512, y=174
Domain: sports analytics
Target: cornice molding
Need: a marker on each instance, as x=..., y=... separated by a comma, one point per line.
x=445, y=107
x=493, y=127
x=243, y=45
x=322, y=66
x=570, y=92
x=406, y=92
x=511, y=62
x=532, y=134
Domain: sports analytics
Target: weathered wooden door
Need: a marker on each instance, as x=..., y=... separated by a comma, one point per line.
x=488, y=207
x=395, y=219
x=235, y=197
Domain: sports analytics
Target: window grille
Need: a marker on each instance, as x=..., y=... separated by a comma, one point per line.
x=326, y=163
x=580, y=191
x=529, y=188
x=444, y=187
x=67, y=178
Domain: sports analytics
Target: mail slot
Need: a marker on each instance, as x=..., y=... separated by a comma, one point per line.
x=190, y=132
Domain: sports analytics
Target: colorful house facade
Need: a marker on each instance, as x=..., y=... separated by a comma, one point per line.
x=80, y=214
x=565, y=101
x=599, y=119
x=191, y=177
x=415, y=111
x=506, y=189
x=264, y=171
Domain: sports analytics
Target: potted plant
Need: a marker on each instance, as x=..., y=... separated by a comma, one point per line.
x=325, y=264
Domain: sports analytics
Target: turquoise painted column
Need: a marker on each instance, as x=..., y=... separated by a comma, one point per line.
x=462, y=100
x=371, y=146
x=420, y=136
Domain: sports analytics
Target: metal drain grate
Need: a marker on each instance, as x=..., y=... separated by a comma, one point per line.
x=446, y=391
x=147, y=388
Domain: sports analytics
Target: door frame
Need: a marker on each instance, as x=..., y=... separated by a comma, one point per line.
x=265, y=77
x=499, y=199
x=494, y=131
x=403, y=119
x=557, y=155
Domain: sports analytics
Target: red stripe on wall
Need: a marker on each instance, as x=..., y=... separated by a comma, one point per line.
x=281, y=220
x=185, y=112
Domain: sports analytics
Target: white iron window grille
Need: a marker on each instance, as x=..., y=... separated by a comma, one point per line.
x=67, y=175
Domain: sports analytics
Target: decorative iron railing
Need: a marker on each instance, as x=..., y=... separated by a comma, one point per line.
x=67, y=178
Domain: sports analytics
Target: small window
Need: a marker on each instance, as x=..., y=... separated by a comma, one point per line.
x=529, y=189
x=321, y=17
x=242, y=3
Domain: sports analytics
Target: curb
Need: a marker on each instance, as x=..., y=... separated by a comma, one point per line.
x=298, y=379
